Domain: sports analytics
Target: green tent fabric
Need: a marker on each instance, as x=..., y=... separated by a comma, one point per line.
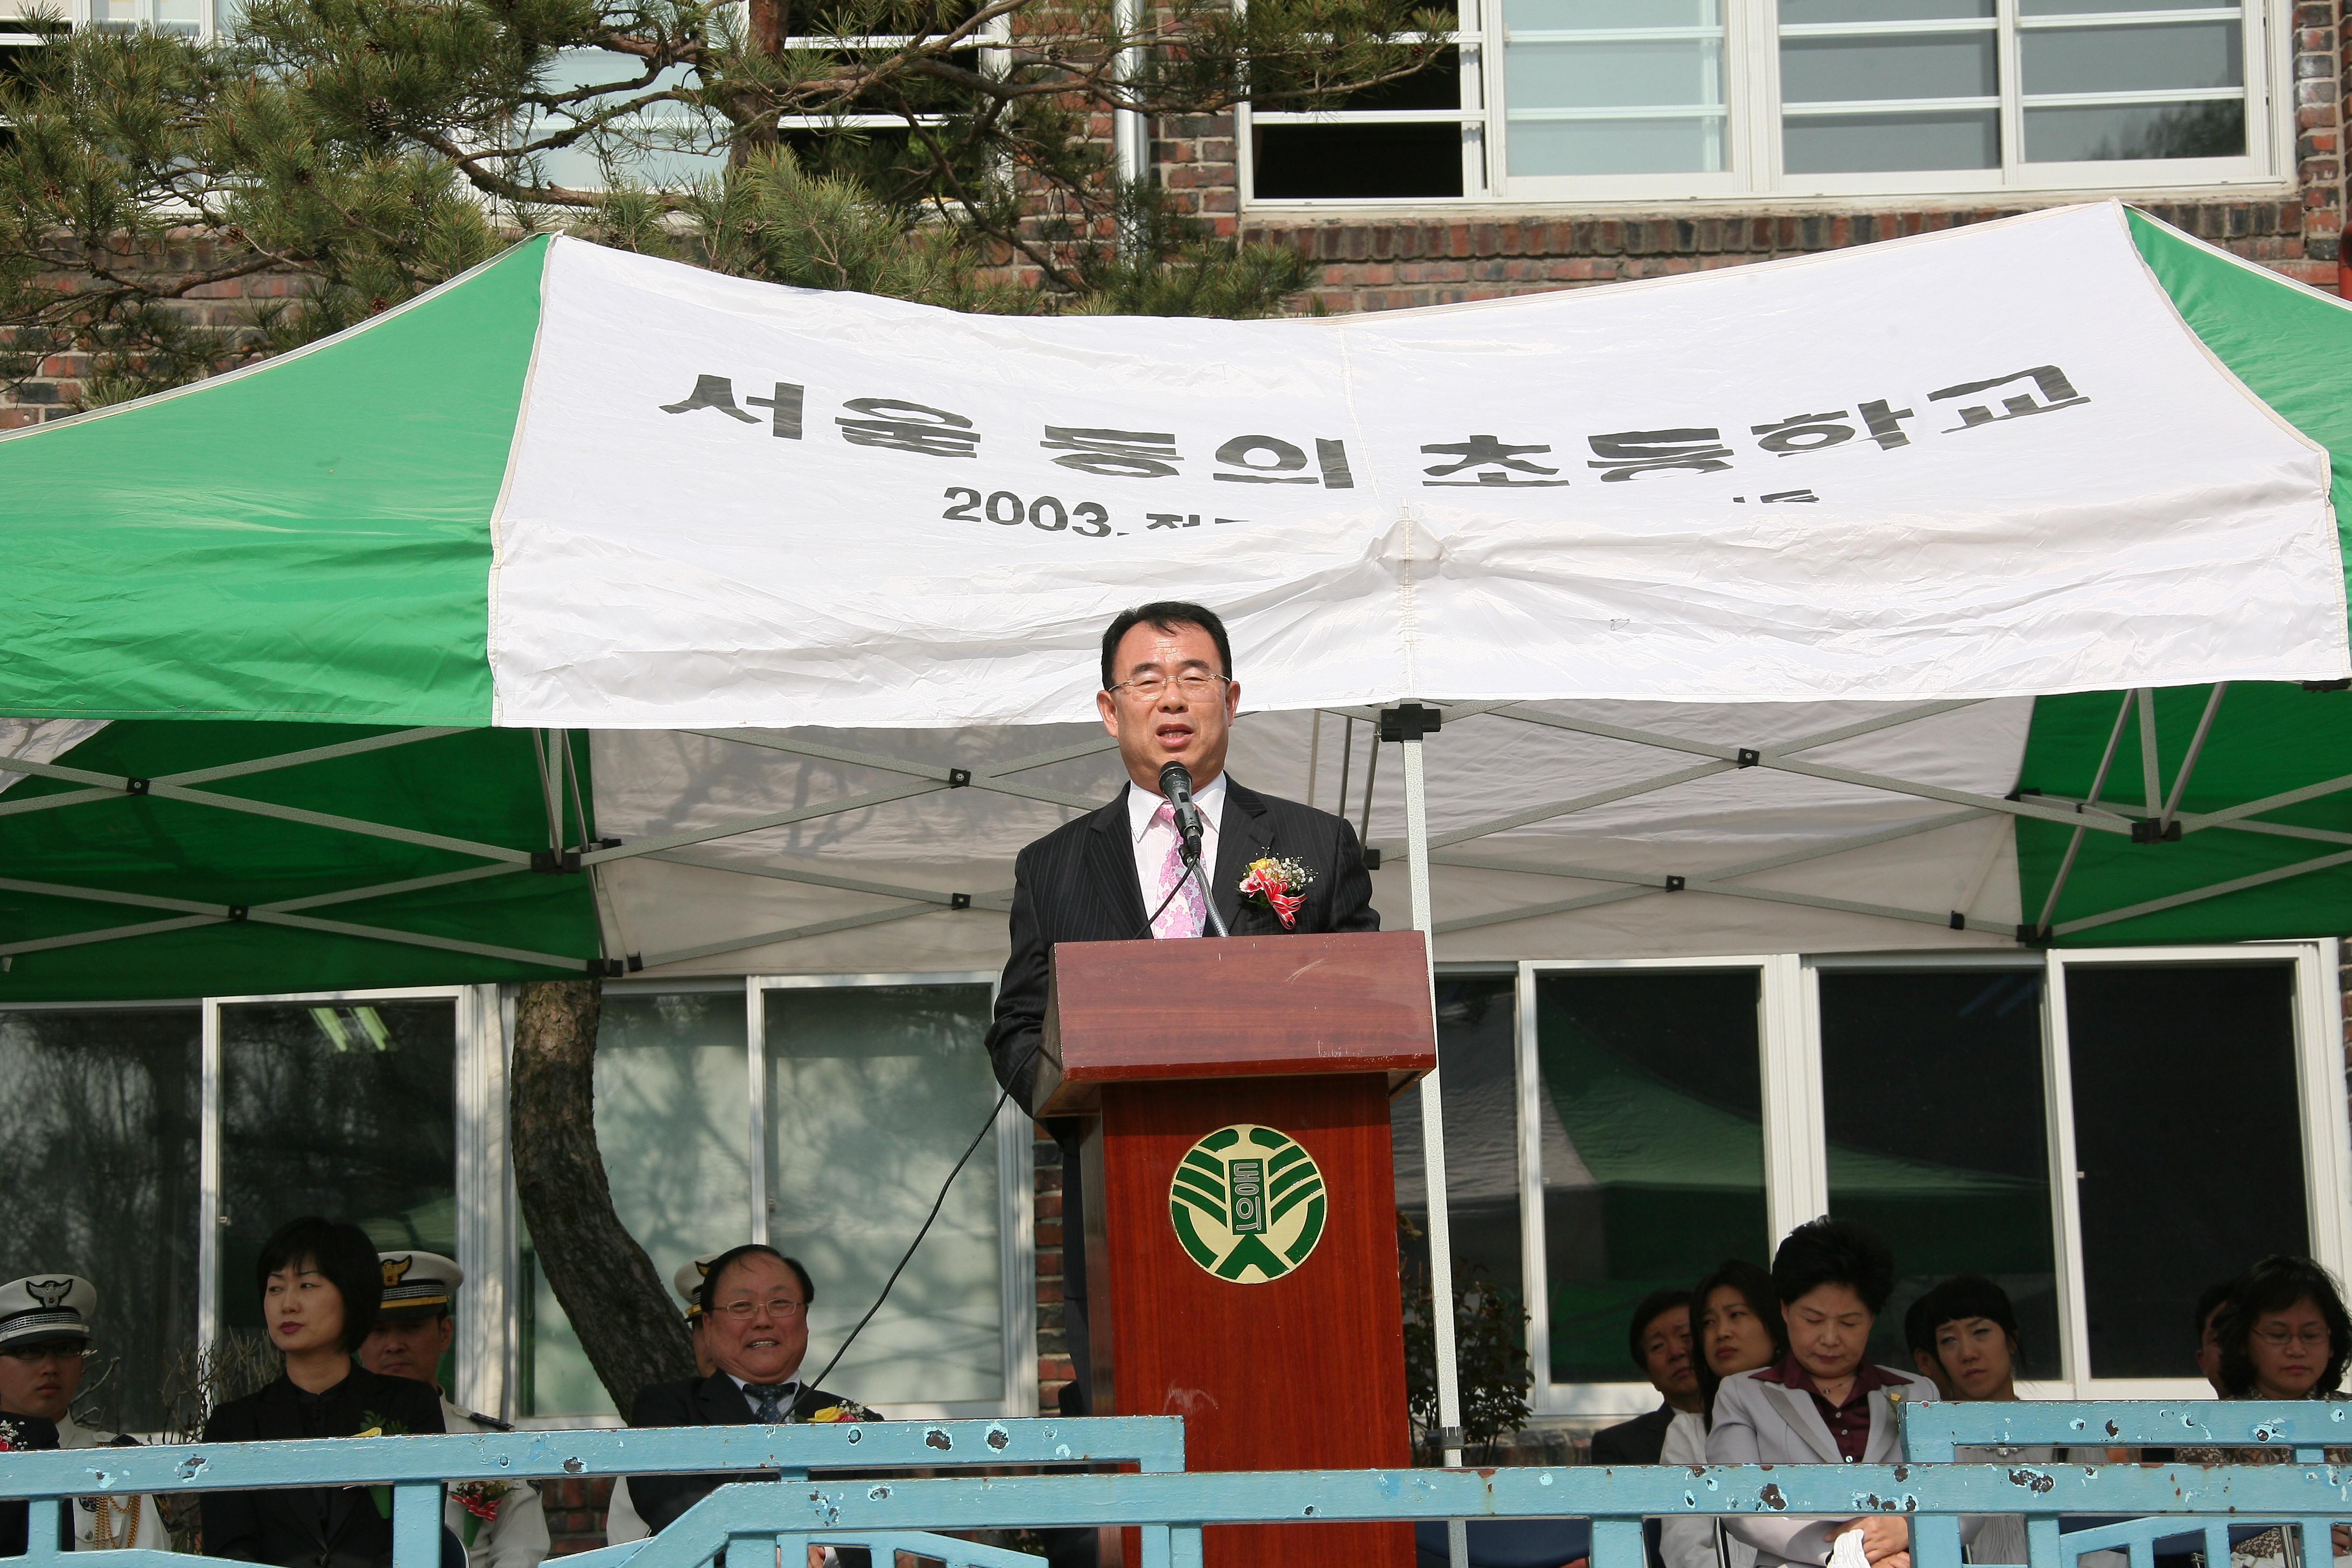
x=403, y=559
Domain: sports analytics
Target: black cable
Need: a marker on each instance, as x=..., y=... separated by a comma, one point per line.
x=937, y=1204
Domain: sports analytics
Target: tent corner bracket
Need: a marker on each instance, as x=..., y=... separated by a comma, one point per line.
x=1410, y=721
x=555, y=862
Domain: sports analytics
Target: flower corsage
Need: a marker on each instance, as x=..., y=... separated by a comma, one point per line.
x=377, y=1426
x=480, y=1500
x=845, y=1411
x=1279, y=885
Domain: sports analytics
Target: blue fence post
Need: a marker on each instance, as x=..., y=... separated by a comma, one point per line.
x=2043, y=1549
x=43, y=1519
x=1157, y=1549
x=1617, y=1544
x=417, y=1524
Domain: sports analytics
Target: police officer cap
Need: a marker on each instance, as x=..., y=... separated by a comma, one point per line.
x=688, y=1281
x=417, y=1285
x=44, y=1309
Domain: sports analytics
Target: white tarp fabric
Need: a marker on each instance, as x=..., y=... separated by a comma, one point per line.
x=1984, y=463
x=1841, y=845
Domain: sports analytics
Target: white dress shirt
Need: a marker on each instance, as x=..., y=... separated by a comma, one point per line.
x=1151, y=848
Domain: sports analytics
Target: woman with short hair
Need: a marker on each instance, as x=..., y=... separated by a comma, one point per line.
x=1823, y=1402
x=321, y=1285
x=1734, y=1327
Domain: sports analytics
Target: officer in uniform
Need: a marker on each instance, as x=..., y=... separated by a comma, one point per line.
x=622, y=1524
x=44, y=1334
x=502, y=1523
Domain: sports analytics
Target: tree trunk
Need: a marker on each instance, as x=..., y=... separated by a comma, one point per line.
x=633, y=1332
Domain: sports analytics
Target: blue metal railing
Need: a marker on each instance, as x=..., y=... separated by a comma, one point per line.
x=1170, y=1506
x=2299, y=1434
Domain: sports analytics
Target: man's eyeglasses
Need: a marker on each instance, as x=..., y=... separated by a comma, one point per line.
x=778, y=1307
x=2315, y=1335
x=1195, y=686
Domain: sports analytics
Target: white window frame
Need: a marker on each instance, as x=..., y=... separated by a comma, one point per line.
x=1752, y=109
x=484, y=1374
x=1796, y=1180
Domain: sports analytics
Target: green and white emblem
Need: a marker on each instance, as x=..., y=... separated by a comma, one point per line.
x=1247, y=1204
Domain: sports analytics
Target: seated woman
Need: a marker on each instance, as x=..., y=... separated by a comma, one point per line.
x=1737, y=1328
x=1822, y=1403
x=2282, y=1333
x=321, y=1285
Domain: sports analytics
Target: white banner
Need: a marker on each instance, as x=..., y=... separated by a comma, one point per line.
x=1989, y=462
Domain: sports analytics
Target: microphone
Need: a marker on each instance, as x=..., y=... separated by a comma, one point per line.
x=1176, y=784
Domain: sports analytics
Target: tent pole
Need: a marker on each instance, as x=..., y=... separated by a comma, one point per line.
x=1432, y=1143
x=2151, y=775
x=2074, y=845
x=1314, y=753
x=1372, y=776
x=1347, y=761
x=2189, y=762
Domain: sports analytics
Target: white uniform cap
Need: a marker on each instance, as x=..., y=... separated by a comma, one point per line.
x=418, y=1284
x=687, y=1281
x=43, y=1308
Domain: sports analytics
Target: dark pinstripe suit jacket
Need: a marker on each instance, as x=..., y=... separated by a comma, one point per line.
x=1078, y=884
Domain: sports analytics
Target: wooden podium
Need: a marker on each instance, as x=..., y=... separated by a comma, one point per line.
x=1241, y=1210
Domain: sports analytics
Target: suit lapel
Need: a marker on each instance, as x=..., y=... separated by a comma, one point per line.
x=1110, y=866
x=722, y=1402
x=1797, y=1407
x=1242, y=835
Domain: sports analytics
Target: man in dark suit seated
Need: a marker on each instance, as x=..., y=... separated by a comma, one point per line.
x=1115, y=873
x=755, y=1312
x=1660, y=1338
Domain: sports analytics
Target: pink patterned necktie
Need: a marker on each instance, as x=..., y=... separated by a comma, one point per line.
x=1183, y=914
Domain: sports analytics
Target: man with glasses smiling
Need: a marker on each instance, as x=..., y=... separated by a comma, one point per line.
x=755, y=1305
x=1116, y=874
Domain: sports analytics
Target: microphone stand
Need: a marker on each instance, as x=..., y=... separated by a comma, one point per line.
x=1208, y=898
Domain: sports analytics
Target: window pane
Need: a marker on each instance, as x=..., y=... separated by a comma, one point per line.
x=873, y=1091
x=1888, y=143
x=673, y=1120
x=1840, y=71
x=2093, y=7
x=347, y=1109
x=2165, y=1062
x=1356, y=162
x=98, y=1133
x=1646, y=16
x=1565, y=59
x=1931, y=1095
x=2131, y=59
x=1615, y=146
x=1652, y=1144
x=1638, y=74
x=1800, y=13
x=2215, y=128
x=1477, y=1018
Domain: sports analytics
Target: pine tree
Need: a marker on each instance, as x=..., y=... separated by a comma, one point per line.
x=948, y=151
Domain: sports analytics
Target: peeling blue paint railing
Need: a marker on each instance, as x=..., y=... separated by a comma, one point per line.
x=2008, y=1433
x=776, y=1522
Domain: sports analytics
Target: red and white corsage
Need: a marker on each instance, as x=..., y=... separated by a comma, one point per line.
x=1278, y=885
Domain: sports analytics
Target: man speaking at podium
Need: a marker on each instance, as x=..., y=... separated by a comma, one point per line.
x=1121, y=873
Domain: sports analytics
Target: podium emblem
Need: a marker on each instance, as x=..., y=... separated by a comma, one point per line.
x=1247, y=1203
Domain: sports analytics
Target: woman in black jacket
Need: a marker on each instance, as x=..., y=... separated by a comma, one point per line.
x=321, y=1284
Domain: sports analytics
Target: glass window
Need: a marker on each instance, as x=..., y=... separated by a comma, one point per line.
x=673, y=1121
x=1651, y=1145
x=346, y=1110
x=1604, y=87
x=873, y=1091
x=1560, y=99
x=2188, y=1145
x=99, y=1134
x=1477, y=1055
x=1932, y=1104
